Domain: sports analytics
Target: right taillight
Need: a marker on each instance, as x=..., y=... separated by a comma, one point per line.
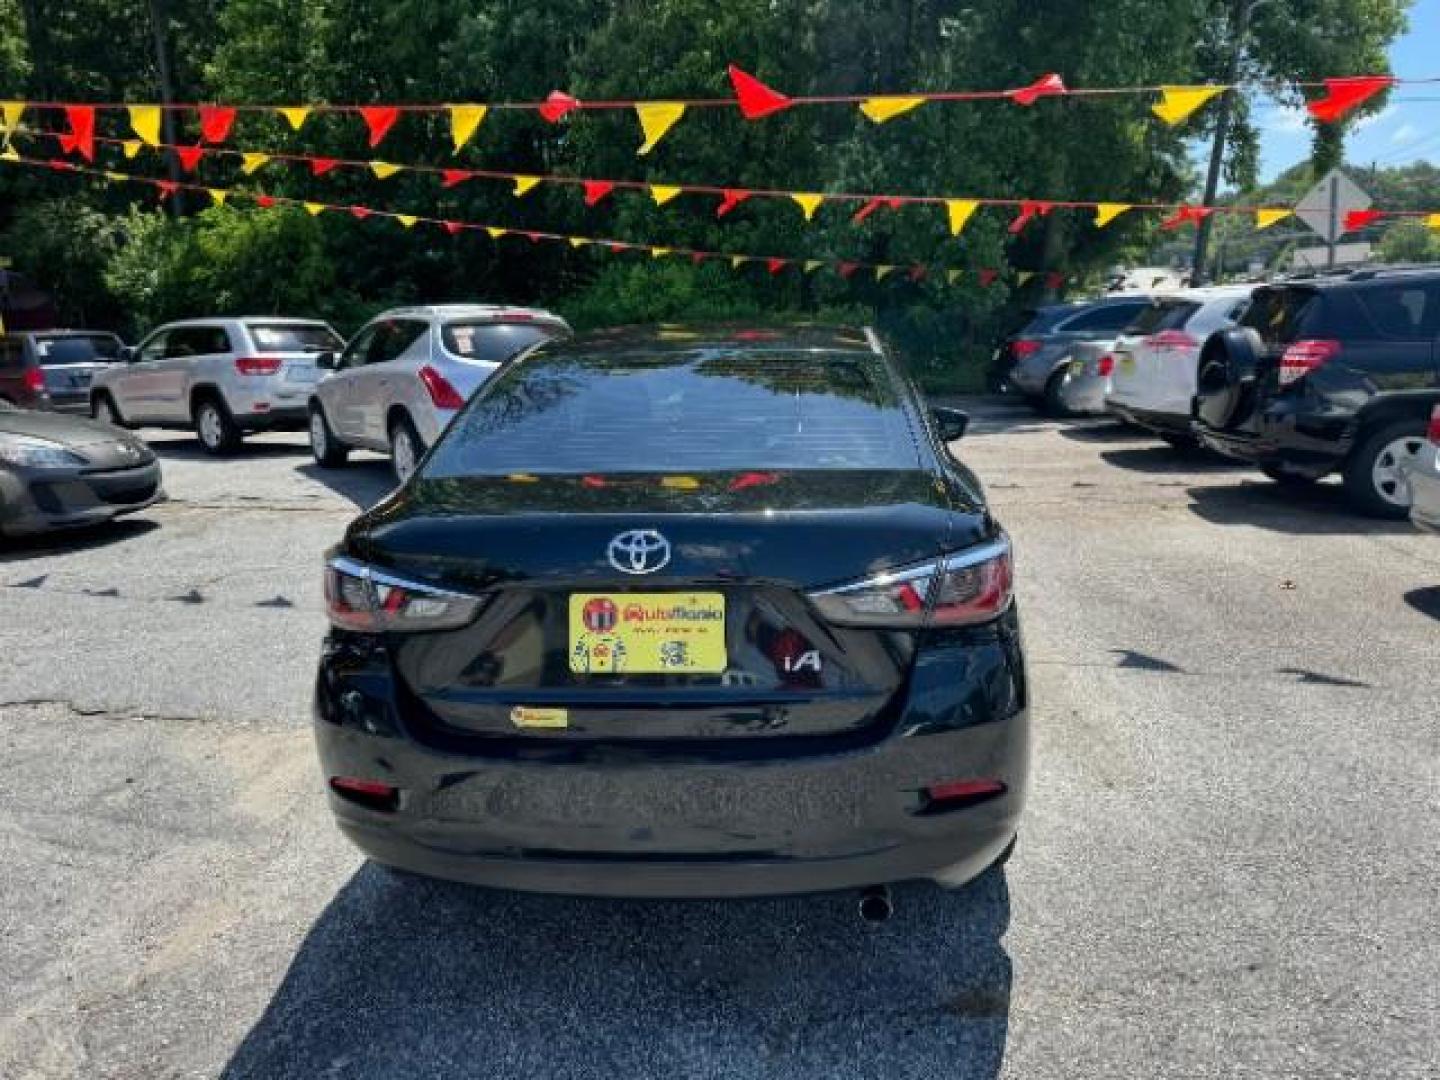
x=34, y=380
x=1020, y=348
x=1106, y=366
x=962, y=589
x=442, y=393
x=1432, y=432
x=1304, y=357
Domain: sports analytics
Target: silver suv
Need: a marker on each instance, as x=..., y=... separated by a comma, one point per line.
x=408, y=371
x=220, y=377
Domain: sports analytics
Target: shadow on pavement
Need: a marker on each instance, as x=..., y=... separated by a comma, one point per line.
x=406, y=977
x=68, y=541
x=1425, y=601
x=1164, y=459
x=364, y=483
x=188, y=448
x=1317, y=509
x=1109, y=431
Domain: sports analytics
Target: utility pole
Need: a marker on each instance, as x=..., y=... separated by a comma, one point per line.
x=1222, y=131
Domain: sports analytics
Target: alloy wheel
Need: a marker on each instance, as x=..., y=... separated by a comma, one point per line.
x=1390, y=473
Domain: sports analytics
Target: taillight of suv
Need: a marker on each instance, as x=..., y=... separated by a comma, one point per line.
x=1432, y=433
x=1105, y=367
x=35, y=380
x=442, y=393
x=1020, y=348
x=1174, y=339
x=258, y=365
x=1304, y=357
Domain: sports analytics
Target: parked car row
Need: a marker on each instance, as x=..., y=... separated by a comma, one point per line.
x=1300, y=378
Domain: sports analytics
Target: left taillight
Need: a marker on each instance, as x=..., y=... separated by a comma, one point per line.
x=364, y=599
x=961, y=589
x=34, y=380
x=1303, y=357
x=1105, y=366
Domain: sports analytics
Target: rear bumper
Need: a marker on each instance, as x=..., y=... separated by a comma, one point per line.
x=1085, y=393
x=1165, y=423
x=1278, y=442
x=613, y=821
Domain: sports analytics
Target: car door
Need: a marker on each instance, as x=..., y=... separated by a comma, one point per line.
x=133, y=387
x=186, y=355
x=374, y=385
x=337, y=392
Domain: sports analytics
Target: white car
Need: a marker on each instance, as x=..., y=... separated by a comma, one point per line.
x=220, y=377
x=1424, y=477
x=408, y=371
x=1157, y=356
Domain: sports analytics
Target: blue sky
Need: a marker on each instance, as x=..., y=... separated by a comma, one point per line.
x=1407, y=130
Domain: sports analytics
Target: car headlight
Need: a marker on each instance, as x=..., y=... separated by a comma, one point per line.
x=31, y=453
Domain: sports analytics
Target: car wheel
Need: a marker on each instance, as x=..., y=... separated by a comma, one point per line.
x=406, y=449
x=215, y=428
x=102, y=408
x=1376, y=475
x=1053, y=402
x=328, y=450
x=1285, y=478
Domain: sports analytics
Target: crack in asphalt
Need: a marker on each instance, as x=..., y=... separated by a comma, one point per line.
x=101, y=711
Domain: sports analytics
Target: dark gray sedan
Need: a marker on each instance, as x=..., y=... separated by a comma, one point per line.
x=60, y=471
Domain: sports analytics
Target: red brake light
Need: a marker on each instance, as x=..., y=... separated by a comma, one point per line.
x=1304, y=357
x=257, y=365
x=35, y=380
x=1433, y=431
x=1020, y=348
x=1106, y=367
x=442, y=393
x=1174, y=339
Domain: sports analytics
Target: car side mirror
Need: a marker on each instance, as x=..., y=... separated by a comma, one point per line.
x=950, y=423
x=325, y=361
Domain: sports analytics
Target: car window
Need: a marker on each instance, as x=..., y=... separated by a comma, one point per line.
x=153, y=348
x=493, y=342
x=186, y=341
x=1281, y=316
x=1161, y=315
x=1107, y=317
x=1404, y=312
x=394, y=336
x=289, y=337
x=715, y=410
x=355, y=353
x=77, y=349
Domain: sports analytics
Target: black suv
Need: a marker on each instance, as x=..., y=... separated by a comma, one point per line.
x=1326, y=375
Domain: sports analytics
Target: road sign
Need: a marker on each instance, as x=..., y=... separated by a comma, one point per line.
x=1325, y=207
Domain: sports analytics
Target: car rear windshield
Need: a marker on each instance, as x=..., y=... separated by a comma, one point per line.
x=492, y=342
x=77, y=349
x=1162, y=315
x=288, y=337
x=1279, y=316
x=713, y=410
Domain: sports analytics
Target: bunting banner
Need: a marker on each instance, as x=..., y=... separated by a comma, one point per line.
x=774, y=264
x=1178, y=103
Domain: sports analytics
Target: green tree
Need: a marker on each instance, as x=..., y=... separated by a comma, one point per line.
x=1410, y=241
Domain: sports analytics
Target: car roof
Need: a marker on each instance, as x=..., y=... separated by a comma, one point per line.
x=676, y=339
x=271, y=320
x=1358, y=276
x=61, y=331
x=1210, y=293
x=461, y=311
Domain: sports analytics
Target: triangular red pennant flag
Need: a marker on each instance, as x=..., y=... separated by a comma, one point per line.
x=189, y=156
x=775, y=265
x=1051, y=85
x=167, y=188
x=733, y=198
x=361, y=212
x=321, y=165
x=697, y=257
x=1029, y=211
x=845, y=269
x=379, y=119
x=265, y=202
x=60, y=165
x=451, y=177
x=1358, y=219
x=557, y=105
x=873, y=205
x=617, y=247
x=216, y=122
x=987, y=277
x=1185, y=215
x=533, y=237
x=452, y=227
x=81, y=136
x=595, y=190
x=754, y=97
x=1342, y=95
x=1054, y=280
x=917, y=272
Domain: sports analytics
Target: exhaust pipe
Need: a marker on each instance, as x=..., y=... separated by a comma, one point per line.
x=875, y=905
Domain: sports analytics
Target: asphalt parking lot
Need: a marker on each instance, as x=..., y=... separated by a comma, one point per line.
x=1230, y=865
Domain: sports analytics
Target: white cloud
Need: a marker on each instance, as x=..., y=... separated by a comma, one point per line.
x=1385, y=114
x=1404, y=134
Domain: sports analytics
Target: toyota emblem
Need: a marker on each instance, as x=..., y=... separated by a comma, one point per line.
x=639, y=551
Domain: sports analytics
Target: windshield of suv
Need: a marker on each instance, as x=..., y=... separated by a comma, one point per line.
x=77, y=349
x=289, y=337
x=710, y=410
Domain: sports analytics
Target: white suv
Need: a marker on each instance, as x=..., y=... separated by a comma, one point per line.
x=221, y=377
x=408, y=371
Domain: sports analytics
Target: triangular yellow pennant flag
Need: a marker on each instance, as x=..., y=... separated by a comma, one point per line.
x=10, y=153
x=251, y=162
x=658, y=252
x=809, y=204
x=952, y=276
x=881, y=271
x=1178, y=102
x=880, y=109
x=1023, y=276
x=656, y=119
x=408, y=220
x=384, y=169
x=813, y=264
x=1265, y=218
x=1107, y=212
x=131, y=147
x=663, y=193
x=578, y=241
x=736, y=261
x=218, y=195
x=145, y=122
x=495, y=233
x=525, y=184
x=464, y=120
x=116, y=177
x=10, y=113
x=315, y=208
x=959, y=211
x=295, y=115
x=1433, y=221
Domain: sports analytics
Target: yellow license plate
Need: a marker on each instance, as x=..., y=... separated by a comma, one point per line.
x=1127, y=363
x=1077, y=367
x=647, y=633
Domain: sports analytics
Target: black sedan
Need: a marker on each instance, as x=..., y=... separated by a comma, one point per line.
x=680, y=613
x=60, y=471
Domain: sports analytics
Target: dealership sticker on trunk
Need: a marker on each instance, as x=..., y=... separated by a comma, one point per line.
x=647, y=633
x=524, y=716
